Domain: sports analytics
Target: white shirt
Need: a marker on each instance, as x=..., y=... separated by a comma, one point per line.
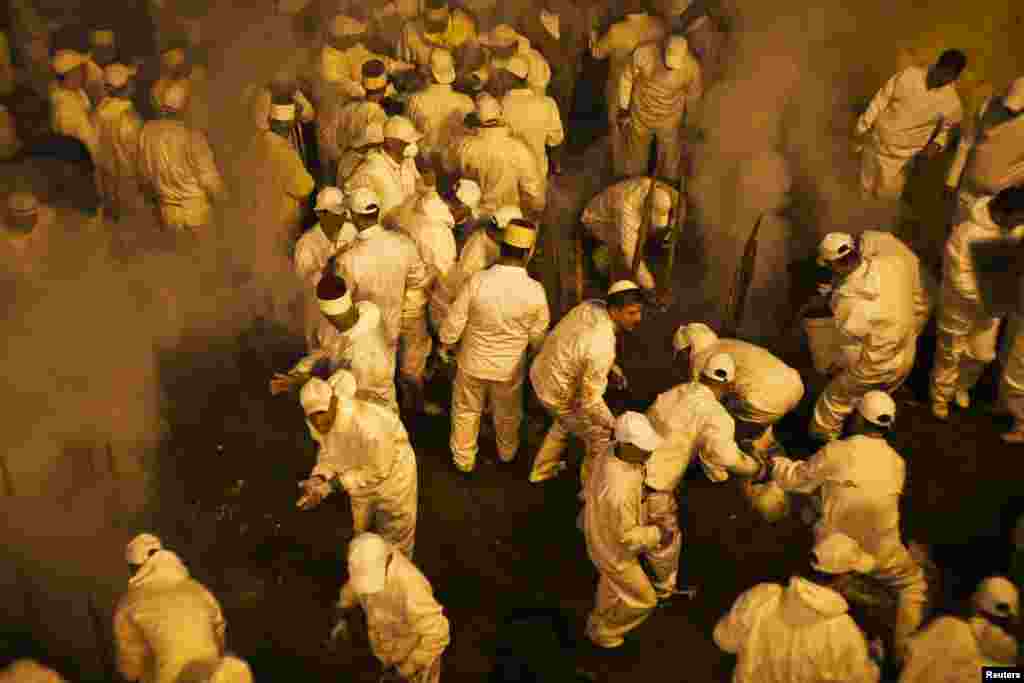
x=438, y=111
x=536, y=120
x=178, y=163
x=394, y=183
x=505, y=169
x=430, y=226
x=478, y=253
x=313, y=250
x=496, y=315
x=71, y=115
x=117, y=132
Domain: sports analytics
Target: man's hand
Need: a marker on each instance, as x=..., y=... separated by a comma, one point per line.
x=282, y=383
x=314, y=492
x=617, y=378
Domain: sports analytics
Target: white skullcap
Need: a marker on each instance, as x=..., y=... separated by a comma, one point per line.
x=330, y=199
x=635, y=428
x=117, y=75
x=282, y=112
x=367, y=563
x=835, y=246
x=488, y=109
x=22, y=204
x=363, y=201
x=336, y=305
x=401, y=128
x=661, y=206
x=1014, y=98
x=232, y=670
x=172, y=58
x=442, y=66
x=175, y=96
x=720, y=367
x=506, y=213
x=998, y=597
x=687, y=335
x=518, y=67
x=878, y=408
x=622, y=286
x=140, y=548
x=518, y=233
x=65, y=61
x=839, y=554
x=102, y=38
x=675, y=52
x=503, y=35
x=343, y=25
x=315, y=396
x=468, y=192
x=372, y=134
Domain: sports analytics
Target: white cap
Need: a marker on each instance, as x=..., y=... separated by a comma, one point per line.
x=506, y=213
x=282, y=112
x=518, y=67
x=102, y=38
x=503, y=35
x=367, y=563
x=687, y=335
x=344, y=25
x=442, y=66
x=1014, y=98
x=140, y=548
x=839, y=554
x=117, y=75
x=998, y=597
x=720, y=367
x=231, y=670
x=622, y=286
x=373, y=134
x=468, y=192
x=661, y=207
x=877, y=407
x=488, y=109
x=835, y=246
x=315, y=396
x=22, y=204
x=65, y=61
x=363, y=201
x=635, y=428
x=401, y=128
x=175, y=96
x=330, y=199
x=338, y=306
x=675, y=52
x=519, y=233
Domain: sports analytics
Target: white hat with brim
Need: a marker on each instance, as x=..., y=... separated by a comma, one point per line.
x=442, y=66
x=332, y=200
x=622, y=286
x=720, y=367
x=675, y=52
x=839, y=554
x=66, y=61
x=634, y=428
x=686, y=334
x=117, y=75
x=367, y=563
x=140, y=548
x=877, y=407
x=316, y=396
x=833, y=247
x=363, y=201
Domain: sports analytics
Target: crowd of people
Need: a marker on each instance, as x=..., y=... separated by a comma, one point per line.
x=424, y=141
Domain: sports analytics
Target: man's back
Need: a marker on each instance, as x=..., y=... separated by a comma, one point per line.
x=504, y=167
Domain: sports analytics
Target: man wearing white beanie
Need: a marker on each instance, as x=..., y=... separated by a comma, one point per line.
x=117, y=130
x=176, y=166
x=858, y=482
x=390, y=171
x=571, y=372
x=344, y=53
x=365, y=451
x=438, y=109
x=661, y=86
x=534, y=118
x=344, y=125
x=70, y=107
x=618, y=532
x=167, y=620
x=801, y=632
x=439, y=26
x=956, y=649
x=503, y=44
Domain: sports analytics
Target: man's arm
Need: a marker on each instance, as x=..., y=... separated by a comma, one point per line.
x=458, y=314
x=131, y=647
x=205, y=166
x=426, y=619
x=804, y=476
x=541, y=321
x=879, y=103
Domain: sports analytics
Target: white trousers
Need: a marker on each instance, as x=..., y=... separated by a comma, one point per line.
x=882, y=176
x=415, y=344
x=624, y=601
x=960, y=359
x=470, y=397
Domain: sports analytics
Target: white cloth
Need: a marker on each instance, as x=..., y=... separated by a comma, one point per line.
x=71, y=115
x=615, y=217
x=801, y=633
x=496, y=315
x=165, y=621
x=385, y=267
x=505, y=169
x=178, y=164
x=394, y=183
x=437, y=112
x=692, y=422
x=313, y=250
x=405, y=623
x=536, y=120
x=952, y=650
x=570, y=373
x=478, y=253
x=763, y=381
x=430, y=226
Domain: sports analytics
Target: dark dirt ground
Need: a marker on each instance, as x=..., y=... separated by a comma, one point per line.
x=497, y=543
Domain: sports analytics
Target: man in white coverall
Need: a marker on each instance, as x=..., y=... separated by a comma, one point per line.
x=858, y=482
x=534, y=118
x=692, y=422
x=350, y=337
x=407, y=627
x=365, y=451
x=615, y=217
x=70, y=106
x=570, y=376
x=764, y=390
x=954, y=649
x=801, y=632
x=176, y=166
x=390, y=171
x=914, y=112
x=497, y=315
x=618, y=531
x=117, y=127
x=166, y=620
x=880, y=306
x=967, y=332
x=658, y=88
x=438, y=109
